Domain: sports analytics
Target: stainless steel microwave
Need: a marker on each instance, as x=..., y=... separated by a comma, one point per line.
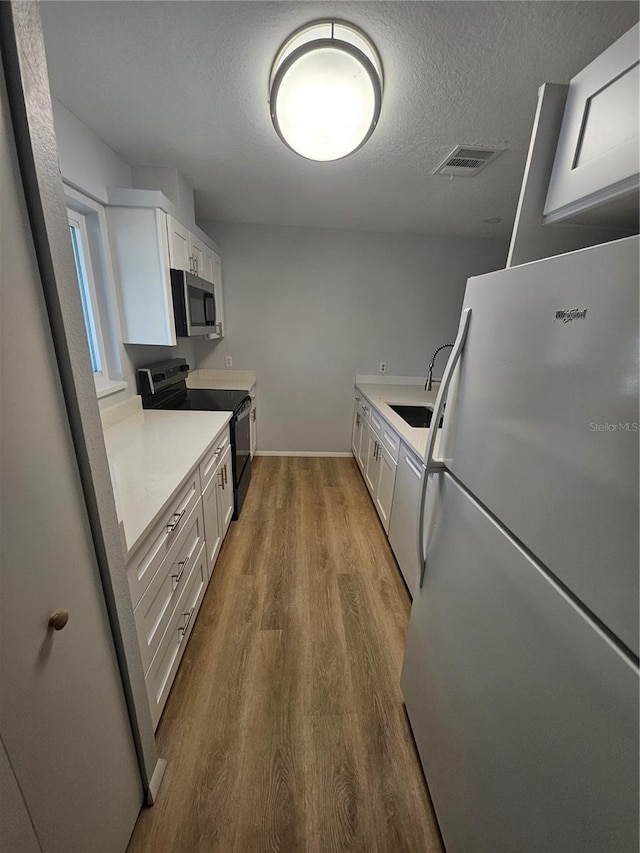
x=194, y=304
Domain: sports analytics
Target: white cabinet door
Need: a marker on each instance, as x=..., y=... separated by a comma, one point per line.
x=371, y=461
x=357, y=429
x=363, y=447
x=65, y=724
x=225, y=492
x=179, y=248
x=197, y=255
x=139, y=243
x=597, y=155
x=212, y=529
x=384, y=487
x=207, y=264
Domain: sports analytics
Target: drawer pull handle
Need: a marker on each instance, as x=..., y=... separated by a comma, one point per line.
x=183, y=564
x=183, y=629
x=177, y=518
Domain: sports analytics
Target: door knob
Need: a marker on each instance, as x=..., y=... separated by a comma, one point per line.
x=58, y=620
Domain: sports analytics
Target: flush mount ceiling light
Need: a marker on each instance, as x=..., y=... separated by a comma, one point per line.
x=325, y=90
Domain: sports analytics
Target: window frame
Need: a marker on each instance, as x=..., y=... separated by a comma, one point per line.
x=101, y=289
x=77, y=221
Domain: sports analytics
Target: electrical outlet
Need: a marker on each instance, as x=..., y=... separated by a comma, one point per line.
x=228, y=361
x=383, y=367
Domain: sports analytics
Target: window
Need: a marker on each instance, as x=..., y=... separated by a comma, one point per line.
x=87, y=230
x=80, y=245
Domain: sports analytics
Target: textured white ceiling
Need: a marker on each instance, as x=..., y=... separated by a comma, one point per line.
x=185, y=84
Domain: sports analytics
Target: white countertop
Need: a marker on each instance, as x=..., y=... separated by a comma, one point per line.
x=381, y=394
x=239, y=380
x=150, y=453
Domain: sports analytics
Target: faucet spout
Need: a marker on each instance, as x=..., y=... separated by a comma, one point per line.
x=429, y=380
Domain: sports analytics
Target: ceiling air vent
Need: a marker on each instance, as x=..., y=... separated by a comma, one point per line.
x=465, y=160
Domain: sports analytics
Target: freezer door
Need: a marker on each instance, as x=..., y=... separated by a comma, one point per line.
x=542, y=419
x=525, y=715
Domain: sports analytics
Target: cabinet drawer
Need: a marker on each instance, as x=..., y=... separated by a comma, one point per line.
x=214, y=455
x=390, y=441
x=148, y=557
x=167, y=659
x=156, y=606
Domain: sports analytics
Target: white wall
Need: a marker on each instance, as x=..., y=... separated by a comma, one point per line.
x=86, y=162
x=310, y=308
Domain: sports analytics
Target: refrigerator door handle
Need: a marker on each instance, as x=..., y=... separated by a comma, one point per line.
x=432, y=462
x=422, y=562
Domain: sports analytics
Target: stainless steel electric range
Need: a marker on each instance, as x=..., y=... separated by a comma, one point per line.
x=163, y=386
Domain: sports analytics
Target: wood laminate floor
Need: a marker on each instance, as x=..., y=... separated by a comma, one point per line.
x=285, y=729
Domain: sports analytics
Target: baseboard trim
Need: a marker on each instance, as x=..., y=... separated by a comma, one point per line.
x=302, y=453
x=156, y=779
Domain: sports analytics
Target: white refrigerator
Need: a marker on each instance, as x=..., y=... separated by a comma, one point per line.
x=520, y=675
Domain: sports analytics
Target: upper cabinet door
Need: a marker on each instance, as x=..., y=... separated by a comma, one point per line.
x=207, y=268
x=179, y=248
x=197, y=255
x=596, y=160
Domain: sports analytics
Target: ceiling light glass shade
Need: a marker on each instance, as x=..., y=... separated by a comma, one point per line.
x=326, y=92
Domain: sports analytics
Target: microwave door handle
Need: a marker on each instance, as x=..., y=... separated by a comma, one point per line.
x=209, y=318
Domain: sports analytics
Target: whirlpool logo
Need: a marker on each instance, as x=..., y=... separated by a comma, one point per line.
x=567, y=315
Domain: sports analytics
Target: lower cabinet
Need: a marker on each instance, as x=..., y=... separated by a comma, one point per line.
x=393, y=475
x=170, y=569
x=375, y=447
x=212, y=524
x=385, y=486
x=165, y=663
x=159, y=601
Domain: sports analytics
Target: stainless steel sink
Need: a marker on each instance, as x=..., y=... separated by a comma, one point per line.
x=415, y=416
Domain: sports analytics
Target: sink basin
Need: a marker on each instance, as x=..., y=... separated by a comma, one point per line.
x=415, y=416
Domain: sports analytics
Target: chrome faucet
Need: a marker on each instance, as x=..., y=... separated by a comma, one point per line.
x=428, y=382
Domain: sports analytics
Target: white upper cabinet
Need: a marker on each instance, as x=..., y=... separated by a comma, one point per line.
x=595, y=172
x=197, y=256
x=140, y=250
x=188, y=252
x=146, y=243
